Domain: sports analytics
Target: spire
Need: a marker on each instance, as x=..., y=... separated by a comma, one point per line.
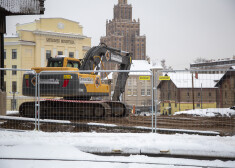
x=122, y=11
x=122, y=1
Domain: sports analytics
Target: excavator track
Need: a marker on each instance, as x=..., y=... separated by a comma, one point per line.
x=72, y=109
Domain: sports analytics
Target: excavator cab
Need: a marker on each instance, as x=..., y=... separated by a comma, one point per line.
x=61, y=61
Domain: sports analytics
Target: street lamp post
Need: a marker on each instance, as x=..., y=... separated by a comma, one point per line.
x=13, y=104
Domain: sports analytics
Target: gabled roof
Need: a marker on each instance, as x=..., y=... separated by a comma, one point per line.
x=230, y=71
x=184, y=80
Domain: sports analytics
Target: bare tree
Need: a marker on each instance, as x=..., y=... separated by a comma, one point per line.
x=200, y=60
x=163, y=63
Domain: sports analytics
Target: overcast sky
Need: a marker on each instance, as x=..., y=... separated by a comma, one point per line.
x=178, y=31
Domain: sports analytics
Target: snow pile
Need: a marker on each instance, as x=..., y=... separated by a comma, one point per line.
x=125, y=142
x=73, y=146
x=211, y=112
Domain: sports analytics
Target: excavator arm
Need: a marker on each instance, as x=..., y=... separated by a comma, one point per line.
x=104, y=53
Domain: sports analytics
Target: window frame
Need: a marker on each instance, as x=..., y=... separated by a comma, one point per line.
x=48, y=56
x=14, y=54
x=14, y=72
x=14, y=86
x=5, y=54
x=72, y=54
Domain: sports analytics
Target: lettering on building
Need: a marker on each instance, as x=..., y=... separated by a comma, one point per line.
x=53, y=40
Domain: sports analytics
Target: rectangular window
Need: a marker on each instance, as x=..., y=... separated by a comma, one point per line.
x=14, y=67
x=209, y=93
x=5, y=54
x=48, y=54
x=198, y=105
x=148, y=92
x=198, y=94
x=60, y=52
x=129, y=92
x=142, y=92
x=14, y=86
x=134, y=92
x=14, y=54
x=71, y=54
x=129, y=82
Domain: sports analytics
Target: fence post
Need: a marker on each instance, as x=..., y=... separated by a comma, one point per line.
x=38, y=99
x=156, y=101
x=35, y=98
x=152, y=96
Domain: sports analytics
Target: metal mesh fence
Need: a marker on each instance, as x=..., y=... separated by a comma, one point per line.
x=11, y=98
x=196, y=101
x=81, y=101
x=88, y=101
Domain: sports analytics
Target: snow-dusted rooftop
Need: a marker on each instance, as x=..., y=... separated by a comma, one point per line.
x=227, y=73
x=11, y=35
x=143, y=65
x=184, y=80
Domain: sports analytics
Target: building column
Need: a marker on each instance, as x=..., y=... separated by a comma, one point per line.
x=77, y=54
x=54, y=52
x=43, y=57
x=66, y=52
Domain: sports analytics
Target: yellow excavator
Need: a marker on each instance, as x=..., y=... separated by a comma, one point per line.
x=72, y=88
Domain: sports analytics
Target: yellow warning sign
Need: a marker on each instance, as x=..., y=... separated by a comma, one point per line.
x=164, y=78
x=144, y=78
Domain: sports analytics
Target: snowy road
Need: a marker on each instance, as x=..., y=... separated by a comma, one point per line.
x=70, y=150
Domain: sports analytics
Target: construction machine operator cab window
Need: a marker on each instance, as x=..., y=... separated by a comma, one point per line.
x=55, y=63
x=73, y=64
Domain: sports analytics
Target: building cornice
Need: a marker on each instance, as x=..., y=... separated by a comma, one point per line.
x=13, y=43
x=67, y=35
x=35, y=21
x=49, y=33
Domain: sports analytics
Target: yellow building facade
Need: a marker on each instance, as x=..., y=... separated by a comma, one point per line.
x=170, y=107
x=33, y=44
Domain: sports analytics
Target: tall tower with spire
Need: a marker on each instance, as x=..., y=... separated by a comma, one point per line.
x=123, y=32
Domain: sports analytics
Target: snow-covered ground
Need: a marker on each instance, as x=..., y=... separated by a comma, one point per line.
x=72, y=148
x=211, y=112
